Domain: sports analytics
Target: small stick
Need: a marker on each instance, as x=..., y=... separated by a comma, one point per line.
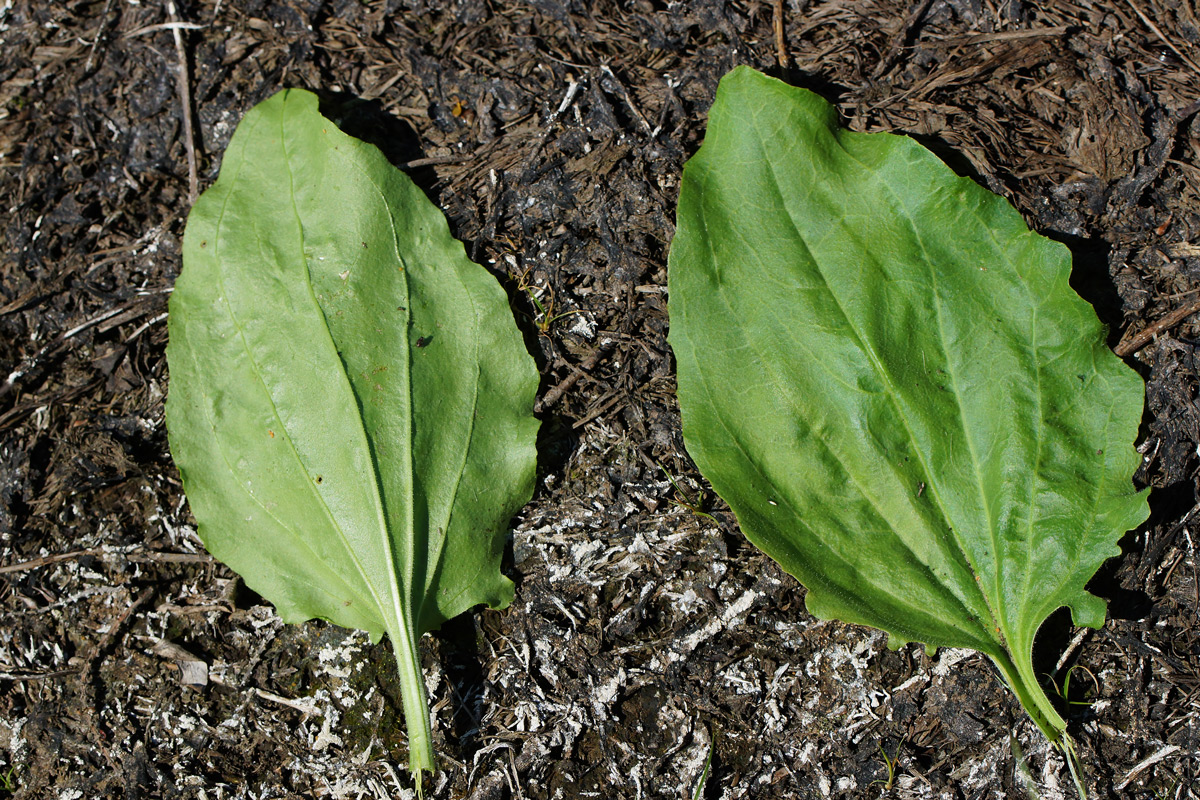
x=573, y=87
x=164, y=26
x=551, y=397
x=1132, y=344
x=1066, y=656
x=1192, y=553
x=53, y=346
x=627, y=98
x=433, y=160
x=25, y=566
x=896, y=47
x=185, y=98
x=1009, y=36
x=1165, y=40
x=780, y=45
x=306, y=707
x=103, y=29
x=37, y=676
x=164, y=557
x=1151, y=760
x=139, y=556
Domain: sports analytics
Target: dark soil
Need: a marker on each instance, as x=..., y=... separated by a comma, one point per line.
x=644, y=637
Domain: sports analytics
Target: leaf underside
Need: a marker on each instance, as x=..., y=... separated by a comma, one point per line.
x=888, y=378
x=351, y=402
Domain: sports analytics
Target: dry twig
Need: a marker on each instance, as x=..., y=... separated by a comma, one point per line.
x=780, y=44
x=185, y=99
x=141, y=556
x=901, y=38
x=25, y=566
x=100, y=34
x=551, y=397
x=1158, y=32
x=1131, y=344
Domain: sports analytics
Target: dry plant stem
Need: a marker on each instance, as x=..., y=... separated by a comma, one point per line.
x=100, y=34
x=551, y=397
x=106, y=321
x=1163, y=752
x=1158, y=32
x=1009, y=36
x=627, y=99
x=185, y=100
x=40, y=562
x=901, y=37
x=435, y=160
x=780, y=45
x=142, y=556
x=162, y=26
x=16, y=677
x=573, y=87
x=1136, y=342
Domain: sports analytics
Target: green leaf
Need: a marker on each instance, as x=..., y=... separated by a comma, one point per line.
x=888, y=378
x=351, y=401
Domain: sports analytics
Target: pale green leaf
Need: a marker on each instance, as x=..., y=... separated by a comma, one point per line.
x=350, y=402
x=888, y=378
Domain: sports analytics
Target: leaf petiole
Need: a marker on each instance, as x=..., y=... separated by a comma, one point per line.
x=1037, y=704
x=1032, y=698
x=416, y=707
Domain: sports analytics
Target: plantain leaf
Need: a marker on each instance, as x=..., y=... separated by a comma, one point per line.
x=887, y=377
x=351, y=402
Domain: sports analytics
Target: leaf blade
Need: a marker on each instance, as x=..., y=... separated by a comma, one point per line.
x=310, y=440
x=218, y=298
x=877, y=371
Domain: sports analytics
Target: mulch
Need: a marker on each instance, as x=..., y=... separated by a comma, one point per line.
x=648, y=643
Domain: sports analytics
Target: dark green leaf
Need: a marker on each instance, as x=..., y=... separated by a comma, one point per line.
x=888, y=378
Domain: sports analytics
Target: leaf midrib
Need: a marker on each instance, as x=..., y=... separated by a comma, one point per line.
x=334, y=523
x=1002, y=625
x=935, y=482
x=212, y=422
x=419, y=598
x=885, y=376
x=408, y=475
x=917, y=611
